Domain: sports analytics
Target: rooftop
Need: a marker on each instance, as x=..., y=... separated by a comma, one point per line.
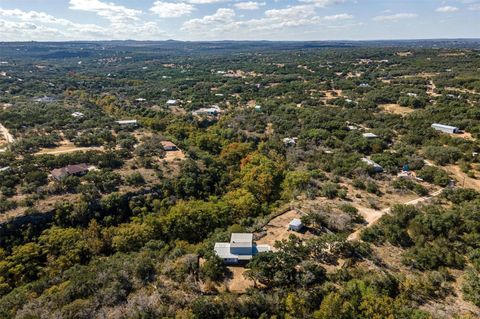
x=126, y=122
x=296, y=222
x=444, y=126
x=167, y=144
x=241, y=240
x=369, y=135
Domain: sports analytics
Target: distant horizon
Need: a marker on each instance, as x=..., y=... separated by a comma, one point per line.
x=265, y=40
x=238, y=20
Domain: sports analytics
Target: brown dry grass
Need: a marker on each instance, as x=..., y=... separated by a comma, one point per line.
x=396, y=109
x=277, y=229
x=66, y=147
x=462, y=178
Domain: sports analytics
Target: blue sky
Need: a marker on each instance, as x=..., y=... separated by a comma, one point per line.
x=43, y=20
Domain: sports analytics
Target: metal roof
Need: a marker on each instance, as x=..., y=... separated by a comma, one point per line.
x=449, y=127
x=296, y=222
x=241, y=240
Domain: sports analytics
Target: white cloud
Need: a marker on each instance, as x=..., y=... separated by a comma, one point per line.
x=322, y=3
x=171, y=9
x=110, y=11
x=474, y=7
x=249, y=5
x=295, y=12
x=206, y=1
x=222, y=20
x=395, y=17
x=337, y=17
x=224, y=23
x=18, y=25
x=447, y=9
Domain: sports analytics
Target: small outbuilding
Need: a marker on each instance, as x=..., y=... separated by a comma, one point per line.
x=77, y=114
x=290, y=141
x=169, y=146
x=127, y=122
x=369, y=135
x=445, y=128
x=295, y=225
x=376, y=167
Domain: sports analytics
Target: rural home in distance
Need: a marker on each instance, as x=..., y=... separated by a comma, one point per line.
x=75, y=170
x=240, y=249
x=169, y=146
x=127, y=122
x=445, y=128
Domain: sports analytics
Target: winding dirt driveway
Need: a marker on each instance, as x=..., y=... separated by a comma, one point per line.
x=372, y=216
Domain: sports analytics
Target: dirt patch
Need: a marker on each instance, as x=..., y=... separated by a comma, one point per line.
x=236, y=282
x=6, y=136
x=431, y=88
x=396, y=109
x=463, y=179
x=404, y=54
x=269, y=129
x=171, y=156
x=67, y=147
x=277, y=229
x=461, y=90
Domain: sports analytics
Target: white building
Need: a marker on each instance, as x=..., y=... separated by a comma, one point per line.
x=240, y=248
x=211, y=111
x=295, y=225
x=369, y=135
x=172, y=102
x=290, y=141
x=77, y=114
x=376, y=167
x=127, y=122
x=445, y=128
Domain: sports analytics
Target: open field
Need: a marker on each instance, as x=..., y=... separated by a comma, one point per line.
x=396, y=109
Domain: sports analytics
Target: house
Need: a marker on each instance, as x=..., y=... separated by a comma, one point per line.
x=376, y=167
x=140, y=99
x=169, y=146
x=445, y=128
x=172, y=102
x=77, y=114
x=290, y=141
x=210, y=111
x=4, y=169
x=70, y=170
x=127, y=122
x=369, y=135
x=352, y=128
x=295, y=225
x=240, y=249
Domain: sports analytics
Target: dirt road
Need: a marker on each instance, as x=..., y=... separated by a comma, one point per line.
x=66, y=150
x=372, y=216
x=8, y=137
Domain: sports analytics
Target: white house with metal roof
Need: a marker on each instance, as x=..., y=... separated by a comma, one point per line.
x=369, y=135
x=445, y=128
x=241, y=248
